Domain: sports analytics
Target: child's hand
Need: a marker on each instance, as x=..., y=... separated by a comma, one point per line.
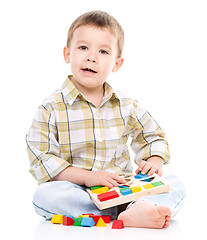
x=110, y=180
x=152, y=165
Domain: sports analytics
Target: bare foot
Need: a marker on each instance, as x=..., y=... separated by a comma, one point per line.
x=146, y=215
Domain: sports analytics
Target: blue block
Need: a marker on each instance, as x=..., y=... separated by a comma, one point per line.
x=140, y=176
x=87, y=222
x=122, y=186
x=126, y=191
x=146, y=180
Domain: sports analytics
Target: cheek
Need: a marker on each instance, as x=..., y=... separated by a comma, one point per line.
x=108, y=65
x=75, y=60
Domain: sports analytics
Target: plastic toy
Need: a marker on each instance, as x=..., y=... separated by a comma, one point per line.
x=101, y=223
x=87, y=222
x=117, y=224
x=57, y=219
x=68, y=221
x=137, y=188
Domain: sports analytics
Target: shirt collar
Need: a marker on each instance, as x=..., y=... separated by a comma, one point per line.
x=110, y=93
x=70, y=92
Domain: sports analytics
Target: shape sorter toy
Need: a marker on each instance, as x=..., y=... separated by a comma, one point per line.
x=137, y=186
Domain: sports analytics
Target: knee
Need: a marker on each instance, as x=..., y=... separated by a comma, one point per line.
x=50, y=192
x=176, y=185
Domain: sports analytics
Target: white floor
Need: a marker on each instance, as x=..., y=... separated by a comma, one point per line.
x=182, y=226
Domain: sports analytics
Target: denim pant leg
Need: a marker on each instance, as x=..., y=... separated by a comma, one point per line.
x=173, y=199
x=65, y=198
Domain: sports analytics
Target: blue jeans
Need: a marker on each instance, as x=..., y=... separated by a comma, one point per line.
x=65, y=198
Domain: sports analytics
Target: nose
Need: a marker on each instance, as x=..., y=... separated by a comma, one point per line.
x=91, y=58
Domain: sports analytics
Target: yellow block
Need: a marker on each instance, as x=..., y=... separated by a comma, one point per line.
x=58, y=219
x=101, y=223
x=148, y=186
x=136, y=189
x=100, y=190
x=83, y=216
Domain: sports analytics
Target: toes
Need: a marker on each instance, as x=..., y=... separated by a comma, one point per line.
x=167, y=222
x=164, y=211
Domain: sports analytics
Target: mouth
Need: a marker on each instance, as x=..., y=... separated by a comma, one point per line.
x=88, y=70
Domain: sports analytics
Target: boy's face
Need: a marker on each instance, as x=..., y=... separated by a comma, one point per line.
x=93, y=56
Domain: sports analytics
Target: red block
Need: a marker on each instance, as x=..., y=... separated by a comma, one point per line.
x=117, y=224
x=108, y=195
x=95, y=218
x=90, y=214
x=67, y=221
x=107, y=219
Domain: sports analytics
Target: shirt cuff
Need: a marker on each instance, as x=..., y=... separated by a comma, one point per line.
x=45, y=170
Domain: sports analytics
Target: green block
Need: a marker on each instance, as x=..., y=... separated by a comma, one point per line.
x=95, y=187
x=77, y=222
x=157, y=184
x=124, y=188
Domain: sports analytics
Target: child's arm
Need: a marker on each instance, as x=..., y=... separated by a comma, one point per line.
x=89, y=178
x=149, y=143
x=153, y=165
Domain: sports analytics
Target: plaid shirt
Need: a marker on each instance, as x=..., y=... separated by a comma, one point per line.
x=69, y=130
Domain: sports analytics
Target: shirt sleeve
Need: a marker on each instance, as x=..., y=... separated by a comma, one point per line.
x=148, y=139
x=43, y=147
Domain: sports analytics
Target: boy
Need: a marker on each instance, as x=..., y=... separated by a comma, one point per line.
x=78, y=136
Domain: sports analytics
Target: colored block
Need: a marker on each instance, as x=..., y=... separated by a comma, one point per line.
x=57, y=219
x=78, y=222
x=70, y=216
x=101, y=190
x=117, y=224
x=157, y=184
x=95, y=218
x=68, y=221
x=136, y=189
x=107, y=219
x=140, y=176
x=123, y=186
x=95, y=187
x=108, y=195
x=101, y=223
x=87, y=222
x=90, y=214
x=126, y=191
x=84, y=215
x=146, y=179
x=148, y=186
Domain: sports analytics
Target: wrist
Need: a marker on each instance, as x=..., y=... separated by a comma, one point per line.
x=156, y=161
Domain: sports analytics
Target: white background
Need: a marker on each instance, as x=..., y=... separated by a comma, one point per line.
x=165, y=69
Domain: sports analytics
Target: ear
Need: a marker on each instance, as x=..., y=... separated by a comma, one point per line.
x=118, y=64
x=66, y=54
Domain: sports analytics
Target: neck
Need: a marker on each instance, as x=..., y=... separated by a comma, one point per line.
x=94, y=95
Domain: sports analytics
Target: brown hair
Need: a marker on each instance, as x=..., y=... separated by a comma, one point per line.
x=101, y=20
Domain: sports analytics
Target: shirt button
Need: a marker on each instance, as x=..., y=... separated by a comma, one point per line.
x=98, y=164
x=100, y=140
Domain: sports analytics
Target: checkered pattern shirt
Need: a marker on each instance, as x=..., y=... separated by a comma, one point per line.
x=68, y=130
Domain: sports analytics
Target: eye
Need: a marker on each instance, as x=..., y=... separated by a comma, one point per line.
x=83, y=48
x=103, y=52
